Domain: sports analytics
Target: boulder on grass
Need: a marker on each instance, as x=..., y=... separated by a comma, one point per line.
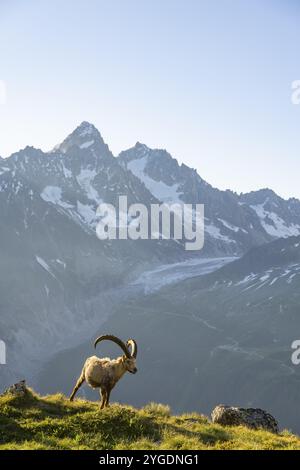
x=19, y=389
x=253, y=418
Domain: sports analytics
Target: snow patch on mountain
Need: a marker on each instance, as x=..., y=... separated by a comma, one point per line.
x=273, y=224
x=245, y=280
x=85, y=179
x=159, y=189
x=3, y=170
x=231, y=227
x=154, y=280
x=87, y=144
x=87, y=212
x=268, y=278
x=62, y=263
x=86, y=129
x=216, y=233
x=67, y=173
x=44, y=265
x=53, y=194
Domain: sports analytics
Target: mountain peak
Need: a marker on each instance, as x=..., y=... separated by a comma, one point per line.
x=86, y=128
x=85, y=136
x=139, y=145
x=266, y=192
x=260, y=196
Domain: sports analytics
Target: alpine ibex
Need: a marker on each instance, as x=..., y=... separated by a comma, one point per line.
x=105, y=373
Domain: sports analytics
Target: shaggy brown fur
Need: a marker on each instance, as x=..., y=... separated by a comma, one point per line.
x=104, y=374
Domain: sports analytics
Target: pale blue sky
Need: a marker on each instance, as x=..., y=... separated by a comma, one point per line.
x=210, y=81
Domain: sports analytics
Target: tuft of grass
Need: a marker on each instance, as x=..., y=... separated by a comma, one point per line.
x=158, y=410
x=53, y=422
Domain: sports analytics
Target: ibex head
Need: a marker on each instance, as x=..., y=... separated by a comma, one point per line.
x=129, y=357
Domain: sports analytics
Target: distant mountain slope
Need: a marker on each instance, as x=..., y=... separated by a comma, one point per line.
x=279, y=218
x=81, y=172
x=222, y=337
x=279, y=254
x=233, y=223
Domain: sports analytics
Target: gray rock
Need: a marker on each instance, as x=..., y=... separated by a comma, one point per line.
x=19, y=389
x=253, y=418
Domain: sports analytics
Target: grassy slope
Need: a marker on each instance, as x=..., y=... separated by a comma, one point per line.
x=53, y=422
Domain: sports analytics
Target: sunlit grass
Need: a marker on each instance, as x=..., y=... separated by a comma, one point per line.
x=52, y=422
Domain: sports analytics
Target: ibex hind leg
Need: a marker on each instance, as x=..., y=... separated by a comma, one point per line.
x=77, y=386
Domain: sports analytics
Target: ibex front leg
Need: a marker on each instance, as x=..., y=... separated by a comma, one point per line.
x=107, y=397
x=103, y=394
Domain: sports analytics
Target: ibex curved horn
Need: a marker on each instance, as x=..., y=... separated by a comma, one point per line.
x=132, y=343
x=116, y=340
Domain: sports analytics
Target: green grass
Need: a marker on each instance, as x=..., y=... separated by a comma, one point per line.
x=52, y=422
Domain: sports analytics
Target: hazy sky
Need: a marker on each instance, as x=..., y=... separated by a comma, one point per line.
x=210, y=81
